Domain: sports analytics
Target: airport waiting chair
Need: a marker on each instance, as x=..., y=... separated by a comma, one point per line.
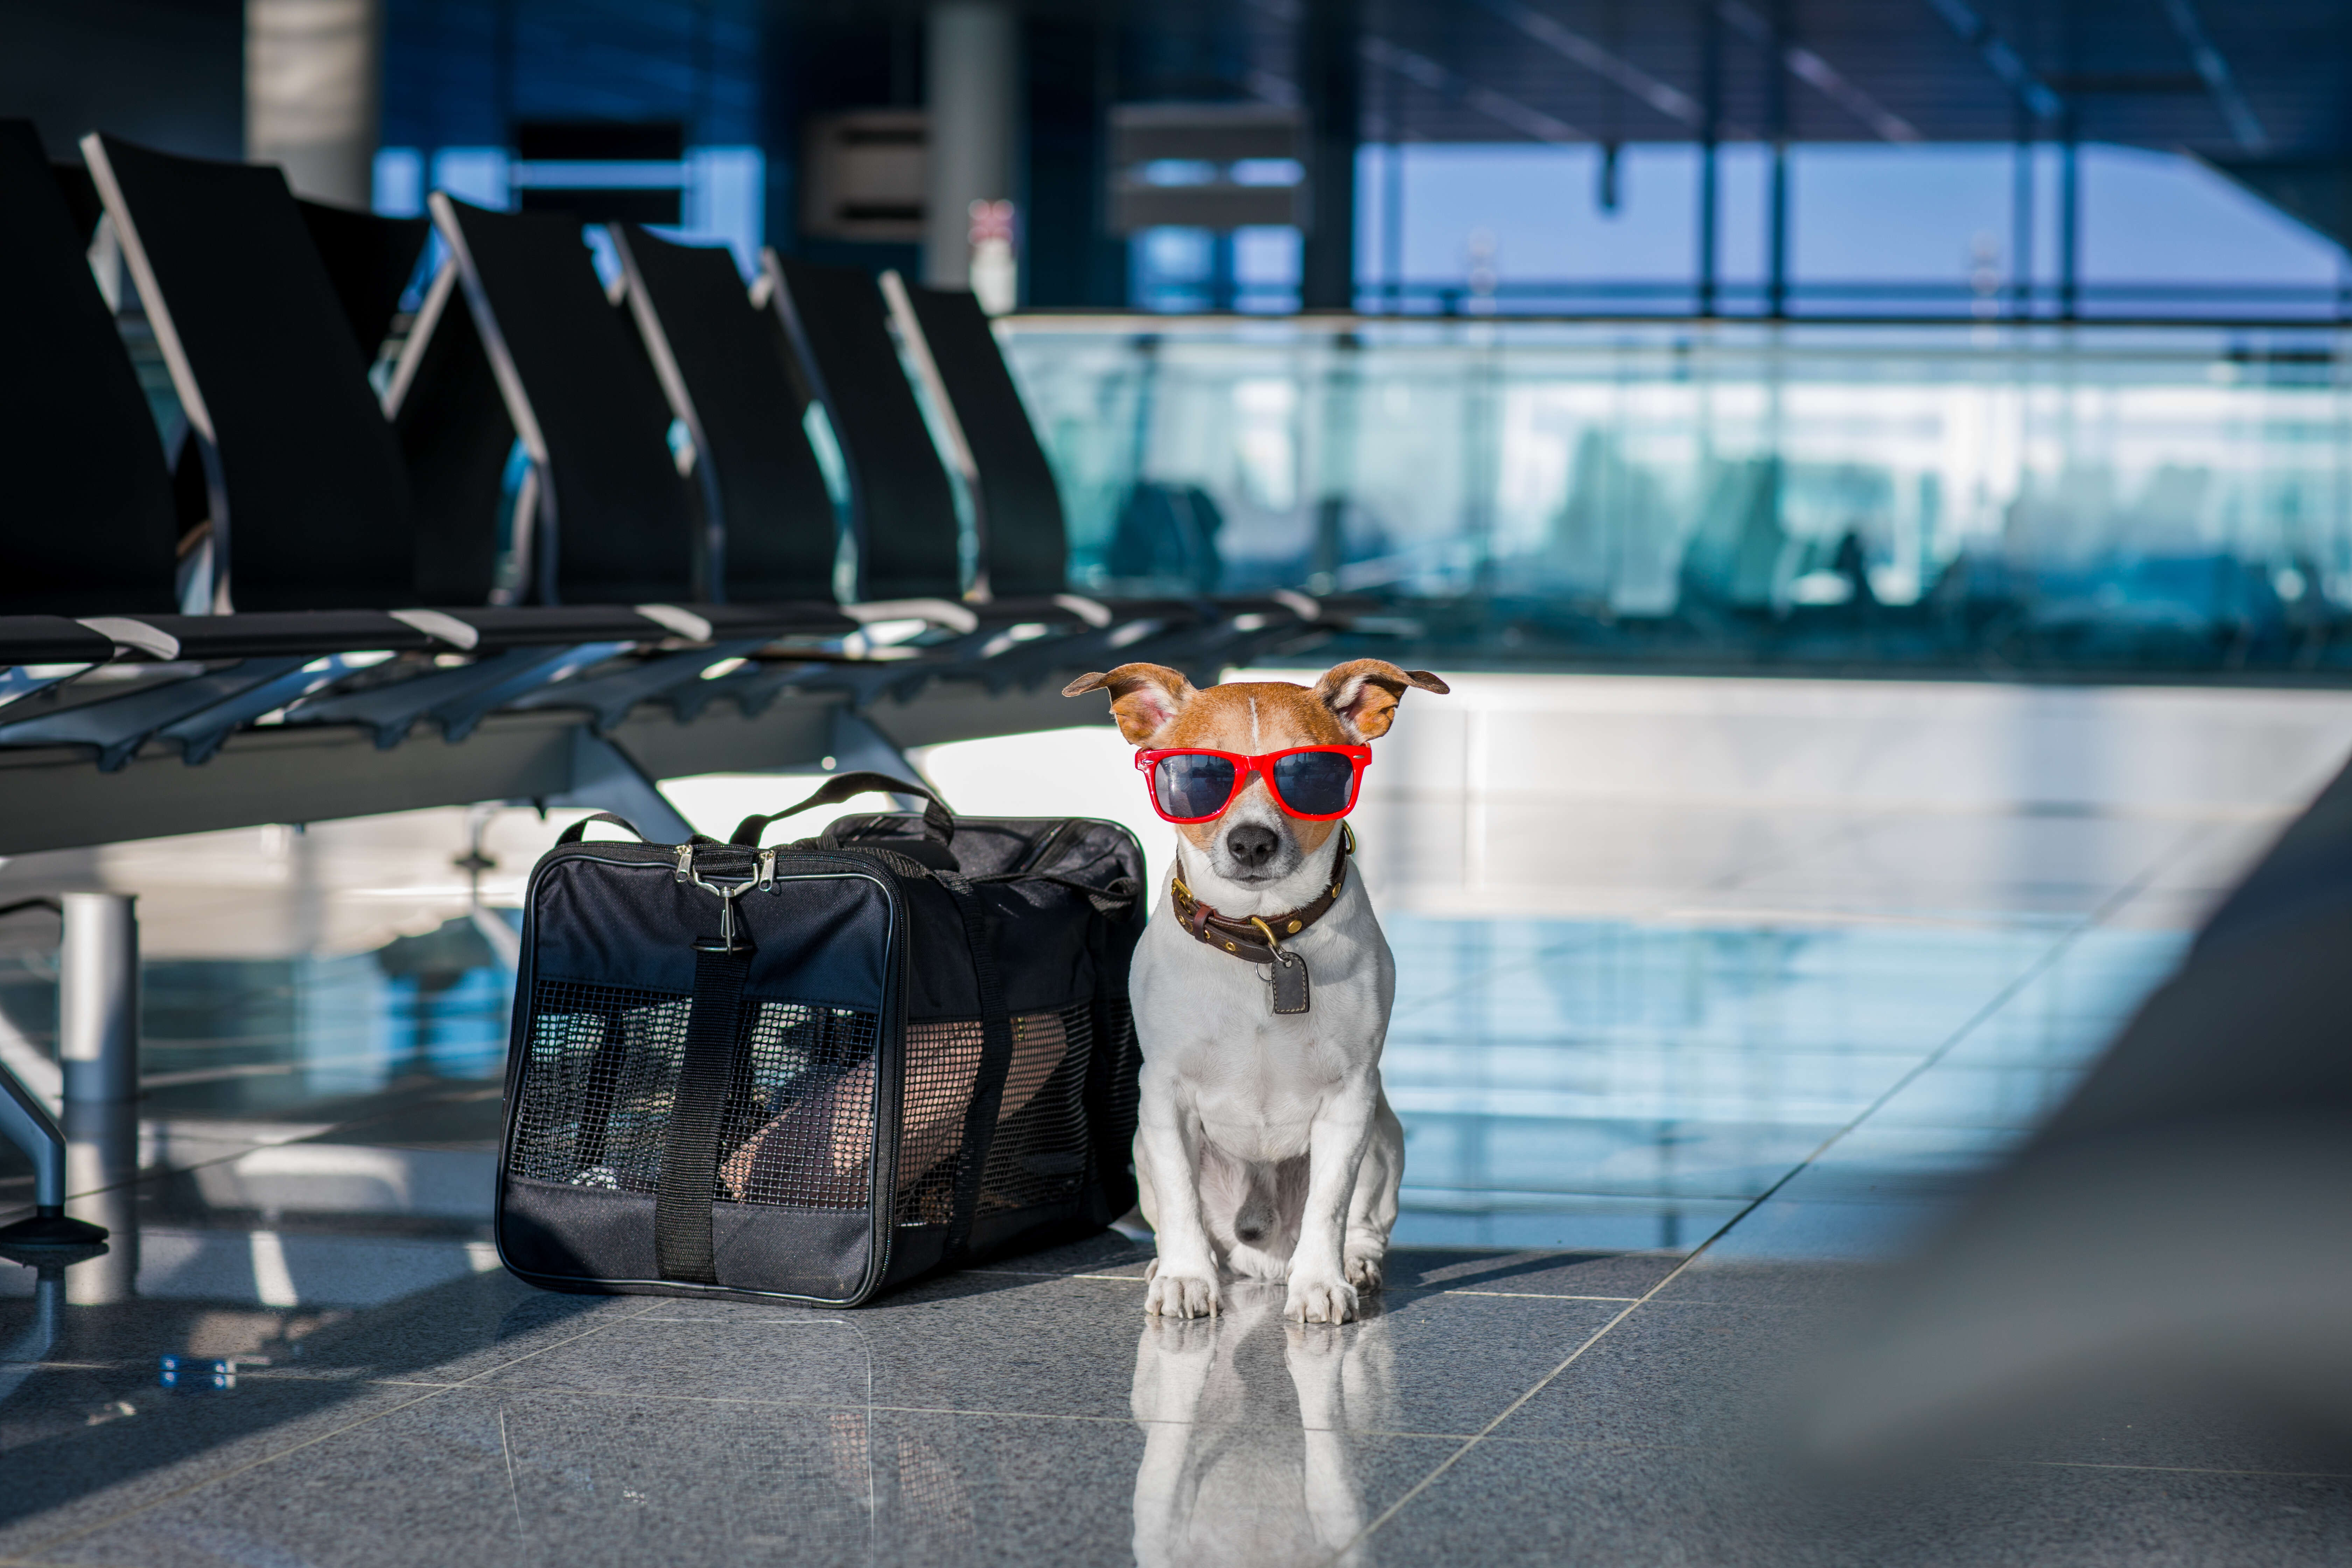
x=89, y=530
x=369, y=260
x=723, y=365
x=840, y=327
x=456, y=439
x=724, y=359
x=1023, y=536
x=88, y=545
x=727, y=369
x=616, y=518
x=262, y=352
x=902, y=505
x=611, y=515
x=308, y=504
x=80, y=194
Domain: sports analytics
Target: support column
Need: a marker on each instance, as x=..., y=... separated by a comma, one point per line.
x=98, y=998
x=97, y=1046
x=972, y=63
x=314, y=93
x=1332, y=75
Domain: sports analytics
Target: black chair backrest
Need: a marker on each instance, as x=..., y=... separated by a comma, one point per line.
x=616, y=522
x=455, y=437
x=1024, y=542
x=80, y=193
x=88, y=526
x=310, y=506
x=722, y=361
x=369, y=260
x=902, y=508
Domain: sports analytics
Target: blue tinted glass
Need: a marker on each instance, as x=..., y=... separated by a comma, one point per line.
x=1192, y=785
x=1314, y=783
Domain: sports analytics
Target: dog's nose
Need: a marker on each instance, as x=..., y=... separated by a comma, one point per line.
x=1251, y=845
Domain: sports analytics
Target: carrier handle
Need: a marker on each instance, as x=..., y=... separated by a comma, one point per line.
x=938, y=822
x=579, y=830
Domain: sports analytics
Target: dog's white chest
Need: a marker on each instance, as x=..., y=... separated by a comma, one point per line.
x=1255, y=1079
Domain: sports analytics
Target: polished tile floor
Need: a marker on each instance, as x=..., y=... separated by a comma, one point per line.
x=1655, y=1156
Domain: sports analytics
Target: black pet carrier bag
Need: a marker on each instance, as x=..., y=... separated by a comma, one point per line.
x=813, y=1072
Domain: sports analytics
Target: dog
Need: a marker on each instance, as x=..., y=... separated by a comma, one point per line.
x=1265, y=1145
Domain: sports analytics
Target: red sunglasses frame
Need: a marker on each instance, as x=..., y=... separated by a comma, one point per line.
x=1245, y=767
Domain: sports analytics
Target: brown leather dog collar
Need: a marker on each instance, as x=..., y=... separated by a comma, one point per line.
x=1259, y=938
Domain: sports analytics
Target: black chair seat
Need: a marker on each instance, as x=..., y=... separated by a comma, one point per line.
x=538, y=625
x=50, y=639
x=804, y=619
x=263, y=634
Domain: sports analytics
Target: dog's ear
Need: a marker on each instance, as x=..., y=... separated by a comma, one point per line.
x=1144, y=697
x=1364, y=692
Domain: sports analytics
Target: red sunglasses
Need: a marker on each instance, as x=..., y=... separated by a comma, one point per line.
x=1315, y=783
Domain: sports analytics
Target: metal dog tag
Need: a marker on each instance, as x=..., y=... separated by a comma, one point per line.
x=1289, y=983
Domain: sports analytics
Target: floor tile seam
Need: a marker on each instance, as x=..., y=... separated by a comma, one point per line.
x=438, y=1391
x=1507, y=1412
x=1534, y=1296
x=615, y=1320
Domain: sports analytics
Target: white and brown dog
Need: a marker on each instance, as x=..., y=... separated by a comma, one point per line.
x=1265, y=1144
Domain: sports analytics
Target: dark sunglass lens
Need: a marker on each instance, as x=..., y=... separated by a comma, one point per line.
x=1192, y=785
x=1314, y=783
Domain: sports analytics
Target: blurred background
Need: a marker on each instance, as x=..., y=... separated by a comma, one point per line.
x=1929, y=336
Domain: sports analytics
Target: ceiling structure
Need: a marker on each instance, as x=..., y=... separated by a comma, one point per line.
x=2262, y=89
x=2225, y=78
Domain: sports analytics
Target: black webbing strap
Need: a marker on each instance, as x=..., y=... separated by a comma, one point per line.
x=577, y=830
x=689, y=1168
x=995, y=1061
x=938, y=822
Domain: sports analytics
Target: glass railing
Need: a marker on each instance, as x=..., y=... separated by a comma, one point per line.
x=1991, y=498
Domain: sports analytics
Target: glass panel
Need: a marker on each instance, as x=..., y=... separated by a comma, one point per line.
x=1980, y=497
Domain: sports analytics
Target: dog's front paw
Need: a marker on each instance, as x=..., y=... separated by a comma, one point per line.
x=1174, y=1293
x=1363, y=1269
x=1320, y=1296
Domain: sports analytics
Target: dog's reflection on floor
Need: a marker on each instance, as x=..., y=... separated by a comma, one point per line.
x=1246, y=1417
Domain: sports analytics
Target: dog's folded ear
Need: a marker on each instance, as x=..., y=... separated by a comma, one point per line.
x=1364, y=692
x=1144, y=697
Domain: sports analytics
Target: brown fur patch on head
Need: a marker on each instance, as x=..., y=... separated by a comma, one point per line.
x=1364, y=694
x=1145, y=699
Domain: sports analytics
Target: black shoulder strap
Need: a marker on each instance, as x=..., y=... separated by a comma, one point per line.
x=690, y=1167
x=579, y=830
x=995, y=1061
x=938, y=822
